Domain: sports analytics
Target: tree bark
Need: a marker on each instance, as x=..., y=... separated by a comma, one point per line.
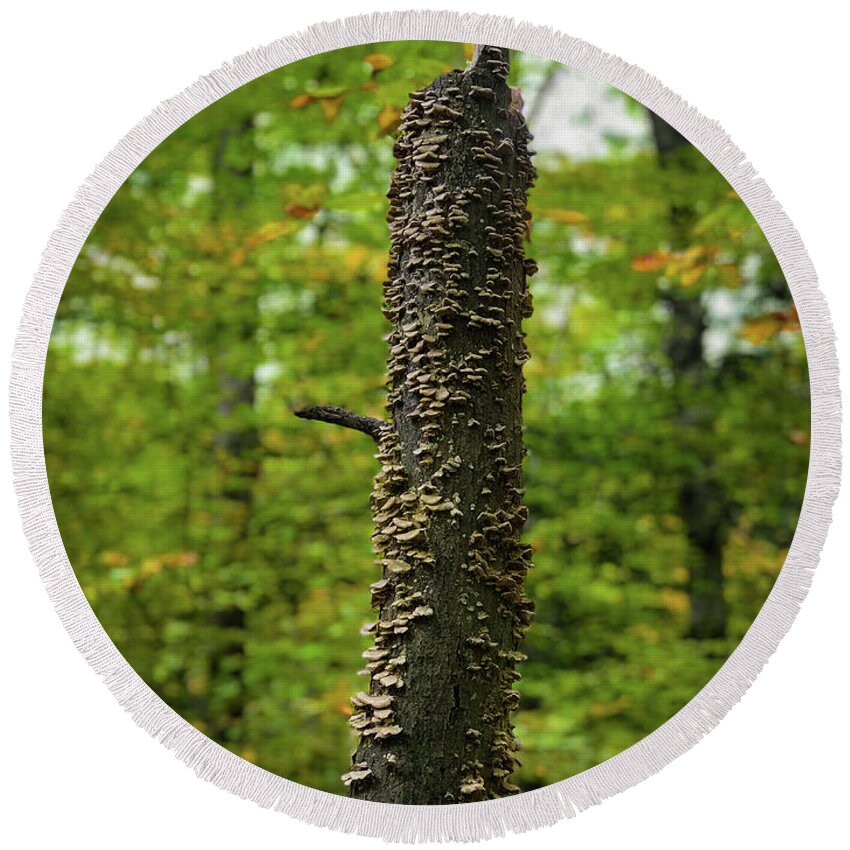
x=435, y=723
x=704, y=505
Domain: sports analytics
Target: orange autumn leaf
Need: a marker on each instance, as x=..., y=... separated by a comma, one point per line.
x=763, y=328
x=389, y=119
x=379, y=61
x=688, y=266
x=789, y=319
x=329, y=99
x=653, y=262
x=178, y=559
x=799, y=438
x=301, y=211
x=330, y=106
x=237, y=257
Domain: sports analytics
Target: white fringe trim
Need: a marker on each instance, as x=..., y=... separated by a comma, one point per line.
x=472, y=821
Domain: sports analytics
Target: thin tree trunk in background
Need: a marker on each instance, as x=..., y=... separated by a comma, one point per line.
x=235, y=450
x=435, y=722
x=235, y=447
x=703, y=503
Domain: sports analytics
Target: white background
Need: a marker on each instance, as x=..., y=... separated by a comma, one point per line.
x=76, y=770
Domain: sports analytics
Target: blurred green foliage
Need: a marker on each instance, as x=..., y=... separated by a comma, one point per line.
x=224, y=544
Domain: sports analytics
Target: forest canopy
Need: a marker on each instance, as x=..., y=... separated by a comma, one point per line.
x=237, y=276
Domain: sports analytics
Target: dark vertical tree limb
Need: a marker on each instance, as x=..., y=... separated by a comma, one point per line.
x=435, y=720
x=235, y=447
x=704, y=504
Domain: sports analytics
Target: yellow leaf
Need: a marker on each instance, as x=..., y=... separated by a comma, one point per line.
x=300, y=100
x=601, y=710
x=378, y=61
x=314, y=343
x=564, y=216
x=150, y=567
x=268, y=232
x=675, y=601
x=380, y=266
x=680, y=574
x=468, y=50
x=730, y=275
x=758, y=331
x=355, y=257
x=197, y=683
x=690, y=276
x=273, y=440
x=694, y=252
x=114, y=559
x=389, y=119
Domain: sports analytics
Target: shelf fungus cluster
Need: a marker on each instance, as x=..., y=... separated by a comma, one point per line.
x=434, y=725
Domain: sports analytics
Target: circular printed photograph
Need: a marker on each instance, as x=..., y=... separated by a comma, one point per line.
x=426, y=422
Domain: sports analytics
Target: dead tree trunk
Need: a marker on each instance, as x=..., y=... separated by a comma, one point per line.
x=435, y=724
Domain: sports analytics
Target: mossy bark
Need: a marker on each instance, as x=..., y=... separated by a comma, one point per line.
x=435, y=722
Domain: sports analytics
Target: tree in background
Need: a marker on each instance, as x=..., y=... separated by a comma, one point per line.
x=704, y=505
x=610, y=452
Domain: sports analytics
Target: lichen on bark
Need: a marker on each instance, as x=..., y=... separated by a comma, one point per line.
x=435, y=724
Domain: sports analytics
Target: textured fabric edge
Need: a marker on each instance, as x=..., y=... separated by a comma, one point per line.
x=474, y=821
